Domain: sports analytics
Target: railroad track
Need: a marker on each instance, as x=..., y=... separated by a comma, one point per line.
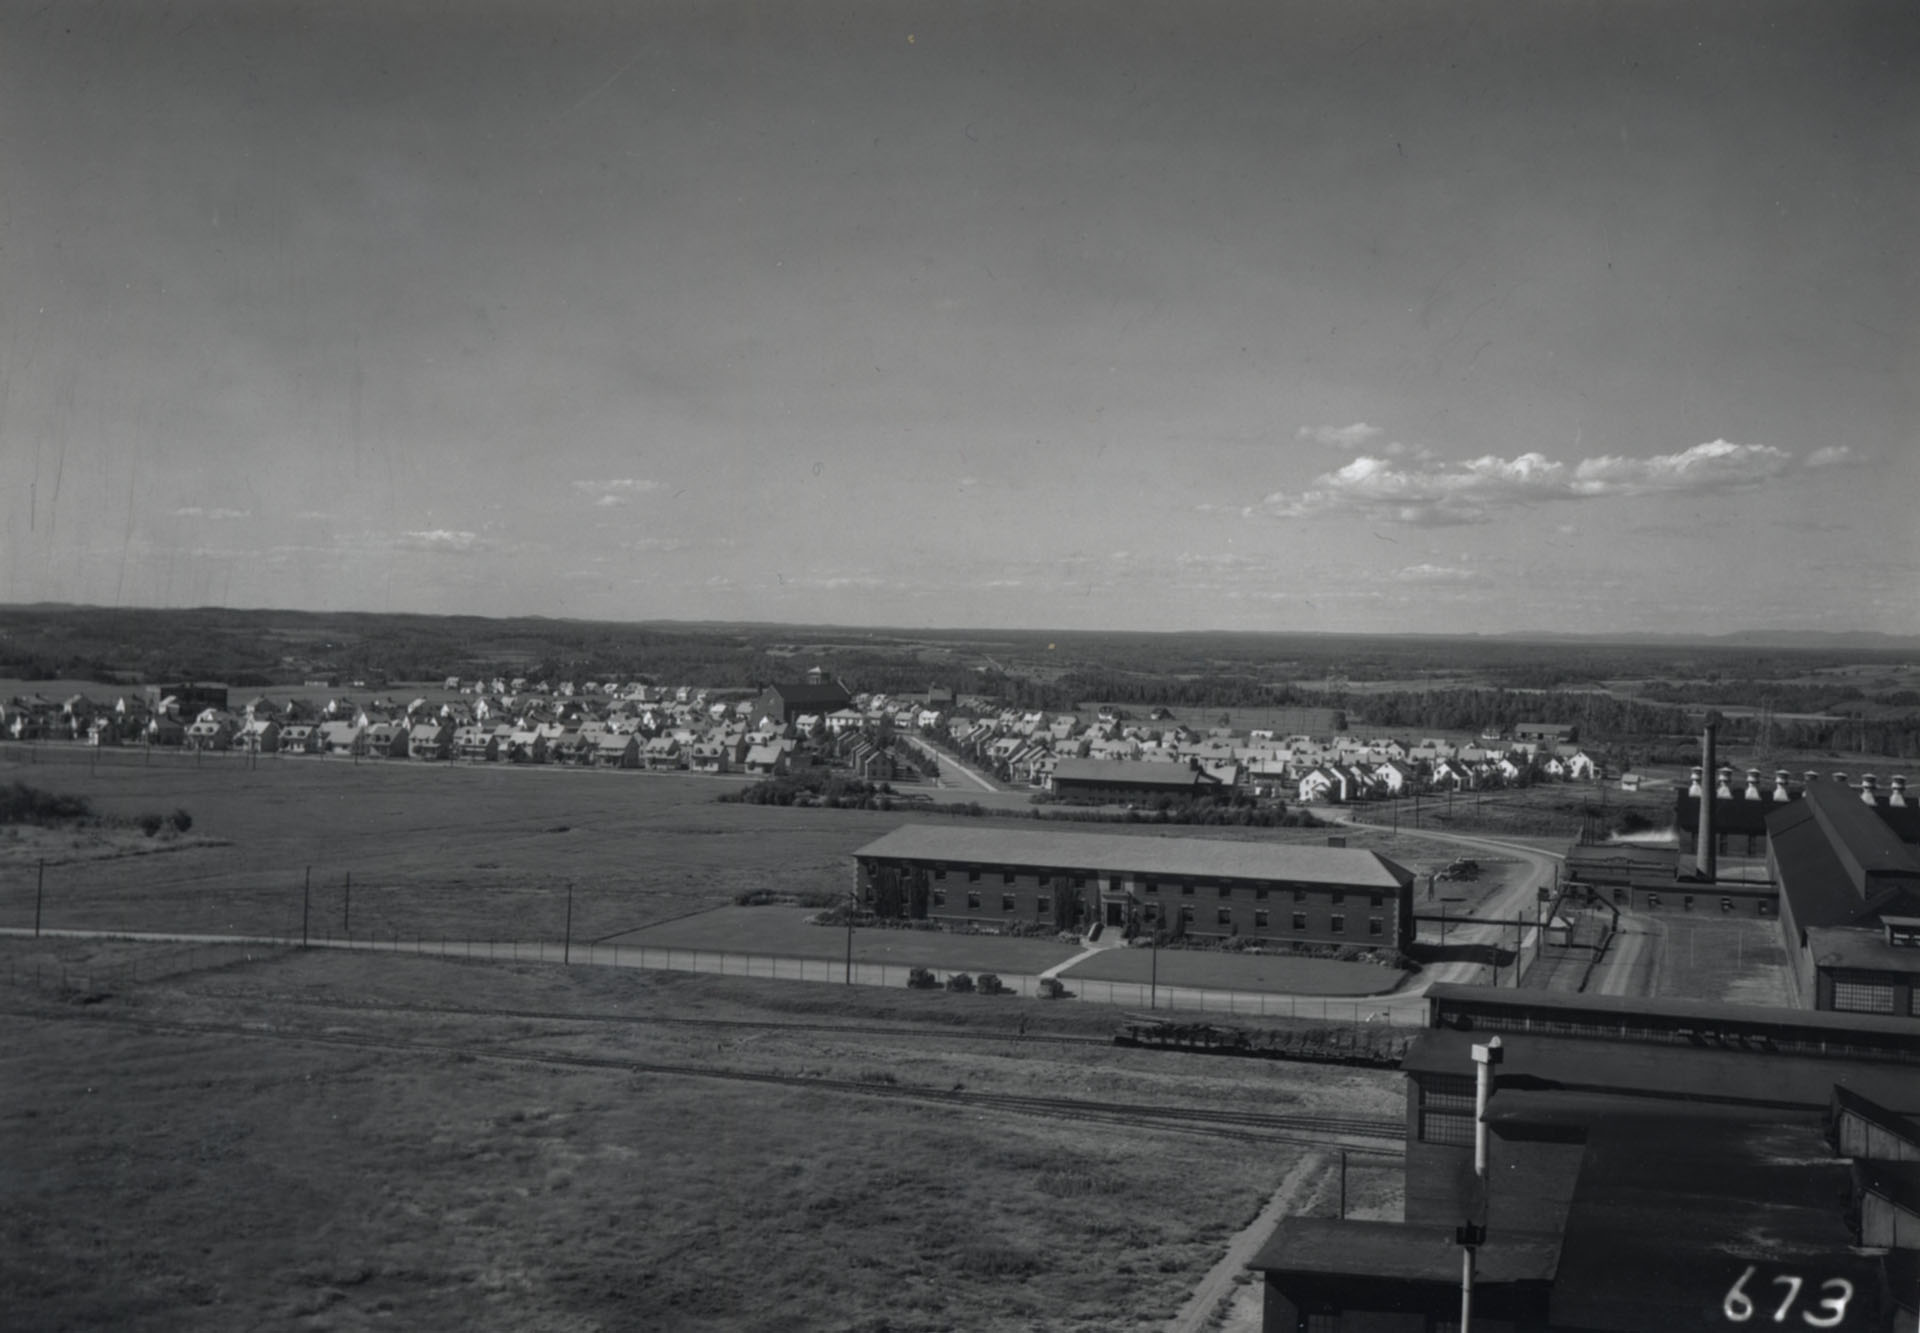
x=1251, y=1126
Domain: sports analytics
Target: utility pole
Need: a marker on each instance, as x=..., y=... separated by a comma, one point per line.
x=306, y=899
x=39, y=889
x=566, y=949
x=346, y=908
x=853, y=905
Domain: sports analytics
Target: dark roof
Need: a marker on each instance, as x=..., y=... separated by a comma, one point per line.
x=1637, y=1012
x=1813, y=879
x=1860, y=948
x=808, y=696
x=1898, y=1181
x=1866, y=846
x=1197, y=858
x=1127, y=773
x=1623, y=1070
x=1401, y=1251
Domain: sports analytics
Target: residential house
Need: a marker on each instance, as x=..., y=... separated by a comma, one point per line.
x=616, y=749
x=430, y=740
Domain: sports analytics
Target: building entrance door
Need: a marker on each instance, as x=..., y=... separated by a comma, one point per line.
x=1116, y=913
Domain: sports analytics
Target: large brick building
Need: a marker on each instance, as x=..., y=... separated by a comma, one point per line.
x=1282, y=892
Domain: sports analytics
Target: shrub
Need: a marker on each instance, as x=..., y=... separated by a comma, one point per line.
x=990, y=984
x=181, y=821
x=151, y=823
x=21, y=804
x=922, y=979
x=1052, y=988
x=960, y=983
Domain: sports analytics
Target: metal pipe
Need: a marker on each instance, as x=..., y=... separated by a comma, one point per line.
x=1485, y=1057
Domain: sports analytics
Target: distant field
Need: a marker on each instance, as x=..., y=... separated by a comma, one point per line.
x=784, y=931
x=1249, y=972
x=244, y=1148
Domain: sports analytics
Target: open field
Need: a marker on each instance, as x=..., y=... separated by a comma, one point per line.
x=784, y=931
x=313, y=1140
x=1239, y=971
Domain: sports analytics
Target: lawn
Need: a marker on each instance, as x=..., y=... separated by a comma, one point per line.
x=784, y=931
x=1275, y=973
x=170, y=1179
x=436, y=850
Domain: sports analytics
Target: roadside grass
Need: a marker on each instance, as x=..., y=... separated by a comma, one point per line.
x=1729, y=960
x=1238, y=971
x=209, y=1181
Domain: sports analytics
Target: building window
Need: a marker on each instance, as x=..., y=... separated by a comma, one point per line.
x=1299, y=920
x=973, y=901
x=1299, y=895
x=1223, y=916
x=1006, y=877
x=1079, y=881
x=1620, y=895
x=939, y=872
x=1379, y=900
x=1043, y=905
x=1260, y=919
x=1225, y=892
x=1374, y=926
x=939, y=898
x=1337, y=923
x=1338, y=896
x=1006, y=902
x=1152, y=911
x=1863, y=997
x=1326, y=1321
x=1446, y=1109
x=1151, y=887
x=1260, y=895
x=1186, y=915
x=973, y=876
x=1186, y=890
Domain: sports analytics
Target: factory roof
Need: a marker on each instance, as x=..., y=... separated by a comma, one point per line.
x=1174, y=858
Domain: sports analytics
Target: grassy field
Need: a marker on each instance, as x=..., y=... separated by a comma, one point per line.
x=784, y=931
x=321, y=1141
x=1726, y=959
x=1230, y=971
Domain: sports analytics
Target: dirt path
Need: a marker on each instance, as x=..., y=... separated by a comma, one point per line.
x=1219, y=1283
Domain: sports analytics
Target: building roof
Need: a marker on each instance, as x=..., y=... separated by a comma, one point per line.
x=1860, y=948
x=1401, y=1251
x=1196, y=858
x=1128, y=773
x=1813, y=880
x=1866, y=846
x=1621, y=1071
x=809, y=696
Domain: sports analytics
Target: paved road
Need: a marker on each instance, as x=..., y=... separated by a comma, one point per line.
x=948, y=764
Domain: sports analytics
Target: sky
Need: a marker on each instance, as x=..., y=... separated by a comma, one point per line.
x=1536, y=315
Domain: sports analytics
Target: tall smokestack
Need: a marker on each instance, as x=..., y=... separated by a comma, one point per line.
x=1706, y=860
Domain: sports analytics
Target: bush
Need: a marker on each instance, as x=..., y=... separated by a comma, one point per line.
x=1052, y=988
x=151, y=823
x=181, y=821
x=21, y=804
x=922, y=979
x=960, y=983
x=990, y=984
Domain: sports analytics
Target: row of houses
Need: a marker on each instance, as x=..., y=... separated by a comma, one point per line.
x=1112, y=759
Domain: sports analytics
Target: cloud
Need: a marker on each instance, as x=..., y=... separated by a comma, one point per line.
x=440, y=540
x=195, y=511
x=1829, y=455
x=617, y=491
x=1340, y=437
x=1426, y=573
x=1430, y=494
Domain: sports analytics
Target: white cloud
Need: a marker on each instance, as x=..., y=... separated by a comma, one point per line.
x=1428, y=573
x=195, y=511
x=1828, y=455
x=616, y=491
x=1430, y=494
x=439, y=539
x=1340, y=437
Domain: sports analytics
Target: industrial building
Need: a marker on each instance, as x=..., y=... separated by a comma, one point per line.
x=1120, y=780
x=1272, y=891
x=1589, y=1164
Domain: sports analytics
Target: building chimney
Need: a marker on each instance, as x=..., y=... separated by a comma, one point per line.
x=1869, y=789
x=1693, y=783
x=1899, y=796
x=1753, y=784
x=1723, y=785
x=1780, y=792
x=1706, y=853
x=1840, y=778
